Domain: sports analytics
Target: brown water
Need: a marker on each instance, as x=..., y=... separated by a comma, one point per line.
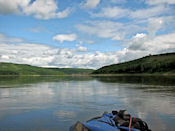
x=55, y=103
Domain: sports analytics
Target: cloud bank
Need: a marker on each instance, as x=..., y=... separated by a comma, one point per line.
x=47, y=56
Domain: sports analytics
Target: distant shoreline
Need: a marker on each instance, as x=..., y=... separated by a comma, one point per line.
x=98, y=75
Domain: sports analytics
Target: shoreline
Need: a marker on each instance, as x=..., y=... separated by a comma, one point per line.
x=93, y=75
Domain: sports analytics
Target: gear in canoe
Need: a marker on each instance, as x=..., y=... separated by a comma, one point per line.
x=115, y=121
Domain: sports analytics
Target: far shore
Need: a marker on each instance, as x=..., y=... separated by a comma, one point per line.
x=155, y=74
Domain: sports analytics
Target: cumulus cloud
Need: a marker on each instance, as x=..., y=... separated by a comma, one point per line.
x=103, y=29
x=161, y=44
x=137, y=42
x=121, y=30
x=158, y=44
x=82, y=49
x=150, y=19
x=9, y=6
x=33, y=54
x=41, y=9
x=108, y=29
x=47, y=56
x=116, y=12
x=141, y=45
x=91, y=4
x=5, y=57
x=111, y=12
x=63, y=13
x=65, y=37
x=156, y=24
x=45, y=9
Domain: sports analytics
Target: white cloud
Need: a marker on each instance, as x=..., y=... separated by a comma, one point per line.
x=151, y=19
x=4, y=38
x=33, y=54
x=158, y=44
x=161, y=44
x=108, y=29
x=111, y=12
x=41, y=9
x=4, y=57
x=45, y=9
x=116, y=12
x=46, y=56
x=103, y=29
x=9, y=6
x=150, y=12
x=120, y=31
x=63, y=13
x=141, y=45
x=91, y=4
x=65, y=37
x=156, y=24
x=137, y=42
x=138, y=36
x=82, y=49
x=155, y=2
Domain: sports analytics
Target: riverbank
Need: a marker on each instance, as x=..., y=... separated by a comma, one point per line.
x=78, y=75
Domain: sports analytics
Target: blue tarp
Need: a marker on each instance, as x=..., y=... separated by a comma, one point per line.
x=105, y=123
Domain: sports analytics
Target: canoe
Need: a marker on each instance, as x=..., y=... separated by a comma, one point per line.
x=115, y=121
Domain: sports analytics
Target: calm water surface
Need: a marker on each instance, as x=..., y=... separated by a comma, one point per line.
x=55, y=103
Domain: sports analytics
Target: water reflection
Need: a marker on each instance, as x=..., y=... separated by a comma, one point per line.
x=55, y=103
x=147, y=80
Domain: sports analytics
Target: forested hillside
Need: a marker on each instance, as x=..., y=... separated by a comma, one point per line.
x=162, y=63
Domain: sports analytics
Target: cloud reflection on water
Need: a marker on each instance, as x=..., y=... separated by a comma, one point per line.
x=73, y=100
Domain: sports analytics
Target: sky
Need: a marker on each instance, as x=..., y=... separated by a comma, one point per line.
x=84, y=33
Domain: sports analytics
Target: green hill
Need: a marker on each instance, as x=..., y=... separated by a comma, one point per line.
x=161, y=64
x=22, y=69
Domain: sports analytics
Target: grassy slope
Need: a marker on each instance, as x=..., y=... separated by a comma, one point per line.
x=163, y=63
x=21, y=69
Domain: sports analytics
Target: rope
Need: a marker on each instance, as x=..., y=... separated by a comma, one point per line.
x=130, y=122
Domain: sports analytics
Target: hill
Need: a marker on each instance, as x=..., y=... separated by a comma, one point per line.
x=162, y=63
x=22, y=69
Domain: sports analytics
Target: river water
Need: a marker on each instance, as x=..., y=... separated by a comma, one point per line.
x=56, y=103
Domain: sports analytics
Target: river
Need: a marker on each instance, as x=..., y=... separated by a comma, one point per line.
x=56, y=103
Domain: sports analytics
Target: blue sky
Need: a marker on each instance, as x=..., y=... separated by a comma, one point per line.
x=84, y=33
